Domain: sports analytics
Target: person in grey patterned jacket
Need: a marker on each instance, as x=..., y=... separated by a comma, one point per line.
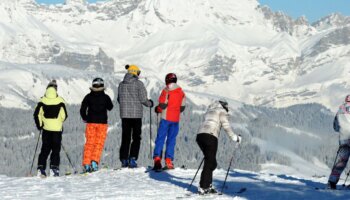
x=207, y=139
x=132, y=95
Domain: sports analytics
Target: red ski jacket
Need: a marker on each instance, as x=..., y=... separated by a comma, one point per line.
x=171, y=102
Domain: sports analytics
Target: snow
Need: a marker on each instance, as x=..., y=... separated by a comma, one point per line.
x=134, y=184
x=271, y=67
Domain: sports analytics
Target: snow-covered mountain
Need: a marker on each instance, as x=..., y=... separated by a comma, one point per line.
x=135, y=184
x=239, y=50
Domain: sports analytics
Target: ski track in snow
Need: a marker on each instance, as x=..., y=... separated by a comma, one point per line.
x=135, y=184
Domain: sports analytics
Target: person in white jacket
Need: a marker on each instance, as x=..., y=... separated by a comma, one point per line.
x=341, y=125
x=207, y=139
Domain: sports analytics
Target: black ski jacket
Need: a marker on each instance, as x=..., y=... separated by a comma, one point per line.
x=94, y=107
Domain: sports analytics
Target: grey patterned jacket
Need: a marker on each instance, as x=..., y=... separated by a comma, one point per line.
x=215, y=118
x=131, y=95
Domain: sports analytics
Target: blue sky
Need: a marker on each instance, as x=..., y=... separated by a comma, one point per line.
x=312, y=9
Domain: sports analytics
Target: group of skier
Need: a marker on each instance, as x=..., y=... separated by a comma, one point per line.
x=51, y=112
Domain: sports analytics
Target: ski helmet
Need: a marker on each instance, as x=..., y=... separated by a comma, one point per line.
x=347, y=98
x=224, y=104
x=53, y=84
x=133, y=69
x=170, y=78
x=97, y=83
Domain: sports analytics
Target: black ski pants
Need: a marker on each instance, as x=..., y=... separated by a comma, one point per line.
x=131, y=127
x=209, y=146
x=51, y=143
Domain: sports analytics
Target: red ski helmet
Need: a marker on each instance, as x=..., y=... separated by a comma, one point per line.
x=170, y=78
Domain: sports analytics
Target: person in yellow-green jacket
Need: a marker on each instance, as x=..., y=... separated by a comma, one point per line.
x=49, y=115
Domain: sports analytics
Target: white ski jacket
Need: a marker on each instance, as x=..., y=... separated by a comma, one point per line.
x=215, y=118
x=341, y=123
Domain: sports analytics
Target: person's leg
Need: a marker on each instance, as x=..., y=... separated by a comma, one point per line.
x=89, y=145
x=136, y=138
x=56, y=139
x=171, y=140
x=126, y=138
x=208, y=144
x=100, y=137
x=340, y=164
x=45, y=149
x=159, y=143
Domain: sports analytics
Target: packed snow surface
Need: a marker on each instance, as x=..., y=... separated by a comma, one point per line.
x=136, y=184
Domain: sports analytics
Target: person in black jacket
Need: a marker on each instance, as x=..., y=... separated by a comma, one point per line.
x=93, y=111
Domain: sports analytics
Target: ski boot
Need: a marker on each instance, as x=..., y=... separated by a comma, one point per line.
x=55, y=172
x=168, y=164
x=331, y=185
x=212, y=190
x=125, y=163
x=203, y=191
x=41, y=173
x=157, y=164
x=94, y=166
x=87, y=169
x=132, y=162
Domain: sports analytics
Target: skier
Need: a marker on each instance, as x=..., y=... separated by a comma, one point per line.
x=171, y=104
x=132, y=94
x=93, y=111
x=49, y=115
x=207, y=139
x=341, y=124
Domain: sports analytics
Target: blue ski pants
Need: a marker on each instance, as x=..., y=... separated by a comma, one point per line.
x=168, y=130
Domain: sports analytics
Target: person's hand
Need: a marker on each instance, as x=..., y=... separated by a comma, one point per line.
x=239, y=139
x=152, y=104
x=39, y=127
x=157, y=109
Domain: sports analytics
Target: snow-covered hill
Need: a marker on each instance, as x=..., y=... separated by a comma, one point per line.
x=239, y=50
x=135, y=184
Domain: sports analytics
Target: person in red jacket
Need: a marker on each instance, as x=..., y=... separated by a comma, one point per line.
x=171, y=104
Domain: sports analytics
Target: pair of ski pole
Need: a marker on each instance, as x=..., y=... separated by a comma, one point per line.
x=36, y=147
x=223, y=186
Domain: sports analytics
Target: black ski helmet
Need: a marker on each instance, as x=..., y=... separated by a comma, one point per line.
x=170, y=78
x=224, y=104
x=53, y=84
x=97, y=83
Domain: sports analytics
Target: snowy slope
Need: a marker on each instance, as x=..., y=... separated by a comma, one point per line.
x=135, y=184
x=254, y=55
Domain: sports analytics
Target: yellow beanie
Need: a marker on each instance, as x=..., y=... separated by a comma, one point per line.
x=133, y=69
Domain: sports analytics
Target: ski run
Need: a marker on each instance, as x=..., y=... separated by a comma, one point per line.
x=171, y=184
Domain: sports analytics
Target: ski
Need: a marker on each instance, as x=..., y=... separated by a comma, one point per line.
x=240, y=191
x=210, y=196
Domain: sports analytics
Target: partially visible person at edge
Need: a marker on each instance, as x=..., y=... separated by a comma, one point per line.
x=171, y=104
x=132, y=95
x=93, y=111
x=341, y=125
x=49, y=115
x=207, y=138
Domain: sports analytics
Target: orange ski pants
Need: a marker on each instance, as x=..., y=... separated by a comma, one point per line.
x=95, y=135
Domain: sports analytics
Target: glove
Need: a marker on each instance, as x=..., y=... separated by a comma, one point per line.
x=239, y=139
x=152, y=104
x=157, y=109
x=39, y=127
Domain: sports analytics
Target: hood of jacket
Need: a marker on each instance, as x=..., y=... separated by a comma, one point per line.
x=51, y=93
x=129, y=78
x=215, y=105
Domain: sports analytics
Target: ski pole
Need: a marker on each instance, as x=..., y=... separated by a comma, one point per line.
x=228, y=170
x=195, y=175
x=31, y=168
x=347, y=175
x=150, y=132
x=69, y=160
